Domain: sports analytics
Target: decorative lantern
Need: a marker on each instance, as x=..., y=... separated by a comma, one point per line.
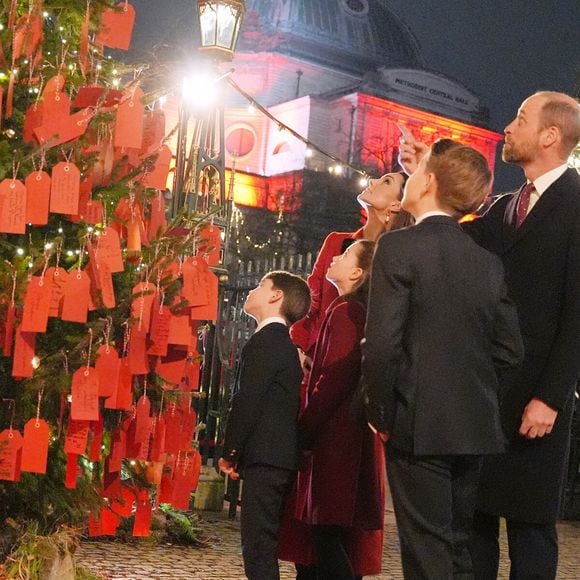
x=220, y=22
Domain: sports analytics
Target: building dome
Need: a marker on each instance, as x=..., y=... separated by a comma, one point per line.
x=351, y=35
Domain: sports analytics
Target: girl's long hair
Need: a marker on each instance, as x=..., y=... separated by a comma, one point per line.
x=365, y=250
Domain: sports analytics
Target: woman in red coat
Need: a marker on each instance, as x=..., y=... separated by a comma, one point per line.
x=340, y=489
x=382, y=203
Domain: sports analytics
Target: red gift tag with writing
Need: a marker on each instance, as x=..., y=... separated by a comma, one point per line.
x=143, y=299
x=209, y=311
x=108, y=366
x=9, y=329
x=36, y=304
x=75, y=305
x=172, y=430
x=24, y=345
x=142, y=419
x=65, y=188
x=93, y=213
x=129, y=121
x=191, y=378
x=180, y=329
x=157, y=178
x=35, y=446
x=194, y=282
x=57, y=277
x=62, y=130
x=117, y=27
x=85, y=395
x=159, y=332
x=210, y=242
x=105, y=283
x=13, y=207
x=122, y=398
x=37, y=198
x=72, y=470
x=77, y=435
x=118, y=451
x=55, y=107
x=109, y=250
x=10, y=455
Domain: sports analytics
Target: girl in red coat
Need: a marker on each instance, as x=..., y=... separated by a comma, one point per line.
x=340, y=489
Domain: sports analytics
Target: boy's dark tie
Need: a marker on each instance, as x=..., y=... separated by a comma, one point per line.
x=523, y=203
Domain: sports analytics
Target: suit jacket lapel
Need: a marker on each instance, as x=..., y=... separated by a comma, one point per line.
x=540, y=211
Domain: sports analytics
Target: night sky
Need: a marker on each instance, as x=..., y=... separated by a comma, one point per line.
x=503, y=50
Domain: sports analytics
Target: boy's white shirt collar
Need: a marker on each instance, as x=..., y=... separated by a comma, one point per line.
x=270, y=320
x=430, y=214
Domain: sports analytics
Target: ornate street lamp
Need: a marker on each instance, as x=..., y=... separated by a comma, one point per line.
x=219, y=23
x=199, y=184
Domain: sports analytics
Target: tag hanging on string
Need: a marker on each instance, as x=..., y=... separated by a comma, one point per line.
x=12, y=207
x=37, y=198
x=36, y=304
x=85, y=395
x=75, y=306
x=10, y=455
x=117, y=27
x=35, y=447
x=65, y=187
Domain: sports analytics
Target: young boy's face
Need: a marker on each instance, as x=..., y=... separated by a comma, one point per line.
x=260, y=298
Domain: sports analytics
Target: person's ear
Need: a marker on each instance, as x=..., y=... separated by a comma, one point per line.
x=430, y=184
x=356, y=274
x=550, y=136
x=276, y=295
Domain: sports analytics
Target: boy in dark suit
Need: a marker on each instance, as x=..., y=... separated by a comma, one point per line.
x=261, y=433
x=439, y=328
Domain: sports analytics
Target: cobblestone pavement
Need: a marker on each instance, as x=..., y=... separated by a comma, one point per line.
x=222, y=560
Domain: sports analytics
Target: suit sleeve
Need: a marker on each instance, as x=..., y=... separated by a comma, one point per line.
x=305, y=332
x=507, y=345
x=257, y=373
x=563, y=367
x=340, y=371
x=383, y=343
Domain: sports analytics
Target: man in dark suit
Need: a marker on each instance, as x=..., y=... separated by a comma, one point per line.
x=261, y=434
x=439, y=327
x=536, y=232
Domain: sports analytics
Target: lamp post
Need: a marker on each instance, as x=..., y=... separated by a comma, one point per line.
x=199, y=183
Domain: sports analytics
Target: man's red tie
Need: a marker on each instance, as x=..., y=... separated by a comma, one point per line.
x=523, y=203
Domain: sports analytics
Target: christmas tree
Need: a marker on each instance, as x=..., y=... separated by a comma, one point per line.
x=101, y=298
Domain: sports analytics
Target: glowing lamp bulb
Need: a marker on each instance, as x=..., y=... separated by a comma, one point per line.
x=35, y=362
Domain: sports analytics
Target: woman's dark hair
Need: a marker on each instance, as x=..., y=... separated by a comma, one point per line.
x=365, y=250
x=402, y=219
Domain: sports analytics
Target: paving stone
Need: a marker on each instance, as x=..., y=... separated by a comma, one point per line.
x=222, y=559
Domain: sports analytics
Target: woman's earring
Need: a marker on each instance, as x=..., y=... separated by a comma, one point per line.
x=388, y=218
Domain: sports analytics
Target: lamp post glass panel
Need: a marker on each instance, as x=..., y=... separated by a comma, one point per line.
x=220, y=22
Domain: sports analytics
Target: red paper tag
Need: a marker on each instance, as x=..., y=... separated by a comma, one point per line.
x=85, y=193
x=77, y=435
x=122, y=398
x=75, y=306
x=124, y=506
x=23, y=354
x=13, y=207
x=117, y=27
x=159, y=333
x=109, y=250
x=180, y=329
x=142, y=526
x=55, y=107
x=138, y=360
x=209, y=311
x=85, y=395
x=106, y=284
x=129, y=121
x=191, y=378
x=157, y=178
x=35, y=447
x=188, y=423
x=172, y=367
x=157, y=451
x=10, y=455
x=142, y=419
x=36, y=304
x=37, y=198
x=118, y=450
x=210, y=242
x=62, y=130
x=72, y=470
x=108, y=366
x=143, y=298
x=32, y=121
x=96, y=440
x=172, y=430
x=57, y=277
x=93, y=213
x=195, y=289
x=65, y=189
x=157, y=221
x=9, y=329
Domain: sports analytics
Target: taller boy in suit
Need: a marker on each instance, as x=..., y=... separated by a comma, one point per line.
x=261, y=433
x=439, y=327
